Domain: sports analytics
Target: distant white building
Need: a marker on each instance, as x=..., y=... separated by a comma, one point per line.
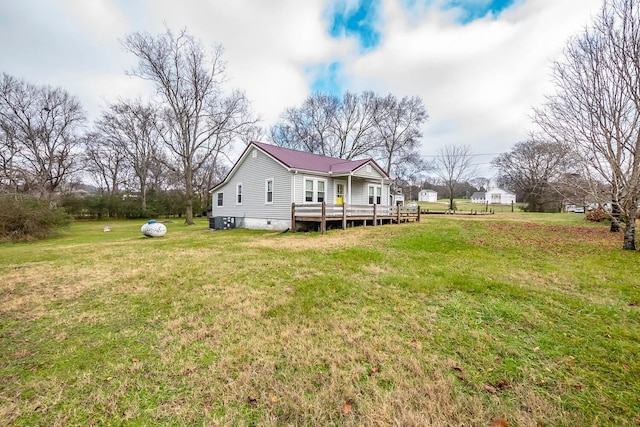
x=427, y=196
x=495, y=196
x=478, y=197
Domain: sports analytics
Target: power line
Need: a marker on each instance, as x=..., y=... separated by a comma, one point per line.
x=460, y=155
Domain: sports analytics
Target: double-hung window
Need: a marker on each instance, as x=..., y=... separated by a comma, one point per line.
x=239, y=194
x=268, y=189
x=221, y=199
x=315, y=190
x=375, y=194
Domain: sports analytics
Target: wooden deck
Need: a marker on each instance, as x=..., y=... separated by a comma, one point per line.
x=321, y=214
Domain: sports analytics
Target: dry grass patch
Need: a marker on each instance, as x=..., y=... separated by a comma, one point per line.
x=397, y=325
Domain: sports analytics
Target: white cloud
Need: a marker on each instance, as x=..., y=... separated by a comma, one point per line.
x=478, y=81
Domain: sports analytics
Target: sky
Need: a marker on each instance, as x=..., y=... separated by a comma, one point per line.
x=480, y=66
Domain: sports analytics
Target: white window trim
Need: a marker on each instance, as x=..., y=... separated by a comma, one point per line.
x=266, y=191
x=239, y=193
x=218, y=200
x=375, y=195
x=315, y=181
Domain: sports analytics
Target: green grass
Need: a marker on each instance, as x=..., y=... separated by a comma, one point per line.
x=465, y=206
x=530, y=318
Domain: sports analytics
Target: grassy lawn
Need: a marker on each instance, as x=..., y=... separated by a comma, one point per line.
x=465, y=206
x=528, y=318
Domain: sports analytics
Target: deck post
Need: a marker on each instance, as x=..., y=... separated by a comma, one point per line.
x=397, y=214
x=344, y=216
x=323, y=219
x=375, y=216
x=418, y=219
x=293, y=217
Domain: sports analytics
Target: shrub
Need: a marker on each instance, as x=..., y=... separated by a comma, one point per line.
x=596, y=215
x=24, y=218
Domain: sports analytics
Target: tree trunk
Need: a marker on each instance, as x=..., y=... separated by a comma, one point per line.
x=629, y=243
x=615, y=217
x=188, y=215
x=143, y=197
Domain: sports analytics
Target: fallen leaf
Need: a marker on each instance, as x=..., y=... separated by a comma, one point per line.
x=274, y=399
x=373, y=371
x=252, y=400
x=577, y=387
x=109, y=378
x=499, y=422
x=540, y=423
x=502, y=385
x=135, y=360
x=346, y=407
x=93, y=422
x=491, y=389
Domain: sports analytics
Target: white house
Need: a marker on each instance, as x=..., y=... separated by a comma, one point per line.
x=427, y=196
x=260, y=188
x=478, y=197
x=495, y=196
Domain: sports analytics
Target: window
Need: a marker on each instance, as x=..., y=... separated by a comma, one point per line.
x=221, y=199
x=254, y=153
x=315, y=190
x=269, y=191
x=239, y=195
x=320, y=194
x=308, y=190
x=375, y=194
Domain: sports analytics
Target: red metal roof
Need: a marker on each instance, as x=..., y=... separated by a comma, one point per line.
x=295, y=159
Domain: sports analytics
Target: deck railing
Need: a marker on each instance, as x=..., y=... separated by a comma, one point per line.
x=323, y=212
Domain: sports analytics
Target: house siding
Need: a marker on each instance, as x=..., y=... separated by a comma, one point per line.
x=373, y=173
x=252, y=173
x=499, y=196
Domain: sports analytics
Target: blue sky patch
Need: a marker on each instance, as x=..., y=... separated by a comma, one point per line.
x=326, y=78
x=477, y=9
x=470, y=10
x=360, y=22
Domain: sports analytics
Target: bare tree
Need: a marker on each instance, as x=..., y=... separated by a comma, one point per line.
x=106, y=163
x=454, y=167
x=328, y=125
x=41, y=127
x=132, y=128
x=10, y=174
x=398, y=124
x=532, y=168
x=200, y=120
x=383, y=128
x=596, y=106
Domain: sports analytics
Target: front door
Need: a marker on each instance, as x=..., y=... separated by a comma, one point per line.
x=340, y=186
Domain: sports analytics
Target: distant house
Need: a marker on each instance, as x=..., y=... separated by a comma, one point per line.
x=262, y=185
x=478, y=197
x=494, y=196
x=427, y=196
